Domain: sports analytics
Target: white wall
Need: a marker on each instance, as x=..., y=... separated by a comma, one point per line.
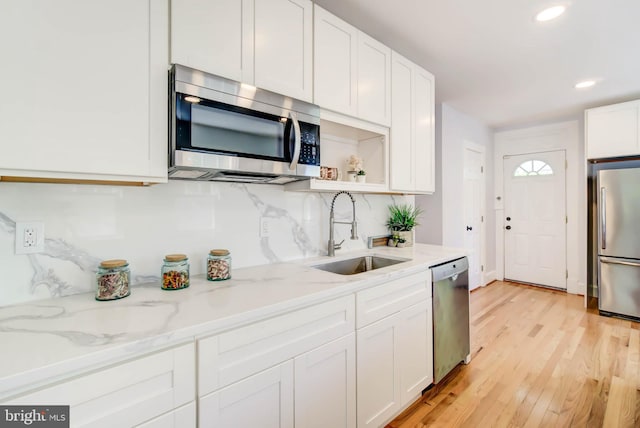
x=85, y=224
x=456, y=129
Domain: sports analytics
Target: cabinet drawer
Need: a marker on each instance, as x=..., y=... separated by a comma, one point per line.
x=125, y=394
x=378, y=302
x=236, y=354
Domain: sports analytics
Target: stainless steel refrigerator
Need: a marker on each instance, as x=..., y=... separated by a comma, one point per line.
x=618, y=241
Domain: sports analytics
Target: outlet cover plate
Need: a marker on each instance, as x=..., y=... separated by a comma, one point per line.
x=264, y=227
x=29, y=237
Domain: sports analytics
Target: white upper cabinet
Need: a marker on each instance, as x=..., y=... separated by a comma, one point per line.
x=374, y=80
x=283, y=47
x=335, y=58
x=613, y=130
x=266, y=43
x=424, y=131
x=352, y=71
x=213, y=36
x=86, y=92
x=412, y=148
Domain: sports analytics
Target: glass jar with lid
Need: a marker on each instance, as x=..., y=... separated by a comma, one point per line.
x=175, y=272
x=218, y=265
x=112, y=280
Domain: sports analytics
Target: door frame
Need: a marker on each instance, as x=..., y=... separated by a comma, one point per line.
x=469, y=145
x=557, y=136
x=531, y=156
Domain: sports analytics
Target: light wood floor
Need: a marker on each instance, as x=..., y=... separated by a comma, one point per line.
x=539, y=359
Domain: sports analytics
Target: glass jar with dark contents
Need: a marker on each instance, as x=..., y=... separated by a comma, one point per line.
x=175, y=272
x=218, y=265
x=112, y=280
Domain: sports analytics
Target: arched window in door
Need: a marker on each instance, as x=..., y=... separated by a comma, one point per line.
x=533, y=167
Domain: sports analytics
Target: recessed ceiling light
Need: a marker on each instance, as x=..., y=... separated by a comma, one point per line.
x=192, y=99
x=585, y=84
x=550, y=13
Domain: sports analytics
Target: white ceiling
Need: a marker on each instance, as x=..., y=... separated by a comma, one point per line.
x=493, y=61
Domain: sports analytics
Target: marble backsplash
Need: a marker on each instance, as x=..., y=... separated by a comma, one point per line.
x=85, y=224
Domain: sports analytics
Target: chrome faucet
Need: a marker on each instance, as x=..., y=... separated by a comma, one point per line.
x=332, y=246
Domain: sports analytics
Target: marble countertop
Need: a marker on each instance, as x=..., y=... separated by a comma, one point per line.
x=44, y=341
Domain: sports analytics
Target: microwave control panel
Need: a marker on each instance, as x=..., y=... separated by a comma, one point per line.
x=310, y=147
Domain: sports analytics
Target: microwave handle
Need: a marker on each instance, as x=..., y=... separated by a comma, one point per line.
x=298, y=143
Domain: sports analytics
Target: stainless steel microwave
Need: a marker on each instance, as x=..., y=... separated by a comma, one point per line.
x=222, y=130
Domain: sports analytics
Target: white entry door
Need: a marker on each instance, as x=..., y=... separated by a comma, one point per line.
x=535, y=218
x=474, y=210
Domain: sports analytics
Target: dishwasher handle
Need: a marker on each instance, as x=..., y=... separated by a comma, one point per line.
x=449, y=269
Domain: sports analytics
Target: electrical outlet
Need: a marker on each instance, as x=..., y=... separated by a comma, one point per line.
x=264, y=227
x=29, y=237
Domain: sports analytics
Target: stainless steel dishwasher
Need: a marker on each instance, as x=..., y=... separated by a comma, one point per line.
x=451, y=343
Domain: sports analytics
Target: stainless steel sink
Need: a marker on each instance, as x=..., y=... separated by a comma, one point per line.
x=358, y=265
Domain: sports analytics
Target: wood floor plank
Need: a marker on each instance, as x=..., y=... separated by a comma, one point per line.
x=621, y=404
x=540, y=359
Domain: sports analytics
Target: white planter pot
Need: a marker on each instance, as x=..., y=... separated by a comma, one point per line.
x=408, y=236
x=361, y=178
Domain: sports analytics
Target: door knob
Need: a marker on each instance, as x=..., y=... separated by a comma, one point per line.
x=508, y=218
x=469, y=228
x=508, y=227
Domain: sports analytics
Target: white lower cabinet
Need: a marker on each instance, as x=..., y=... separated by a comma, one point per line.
x=305, y=368
x=325, y=385
x=262, y=400
x=415, y=350
x=315, y=389
x=378, y=372
x=253, y=375
x=395, y=363
x=394, y=343
x=152, y=391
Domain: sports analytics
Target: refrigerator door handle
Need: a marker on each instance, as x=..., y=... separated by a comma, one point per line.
x=603, y=217
x=618, y=262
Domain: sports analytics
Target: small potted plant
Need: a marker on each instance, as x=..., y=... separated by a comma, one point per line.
x=361, y=176
x=396, y=241
x=402, y=221
x=354, y=167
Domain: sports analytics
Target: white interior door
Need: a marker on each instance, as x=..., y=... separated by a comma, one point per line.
x=535, y=218
x=474, y=210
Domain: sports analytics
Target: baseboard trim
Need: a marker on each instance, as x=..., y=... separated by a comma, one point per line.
x=489, y=277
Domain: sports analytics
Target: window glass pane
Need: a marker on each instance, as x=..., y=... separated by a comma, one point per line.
x=533, y=167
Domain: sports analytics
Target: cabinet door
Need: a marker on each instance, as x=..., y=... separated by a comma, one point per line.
x=613, y=130
x=378, y=372
x=263, y=400
x=83, y=79
x=214, y=36
x=283, y=47
x=335, y=63
x=401, y=145
x=325, y=385
x=374, y=81
x=415, y=350
x=424, y=126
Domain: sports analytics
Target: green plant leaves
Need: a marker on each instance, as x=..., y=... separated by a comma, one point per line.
x=403, y=217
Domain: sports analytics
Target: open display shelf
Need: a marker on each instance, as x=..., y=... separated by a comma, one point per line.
x=341, y=137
